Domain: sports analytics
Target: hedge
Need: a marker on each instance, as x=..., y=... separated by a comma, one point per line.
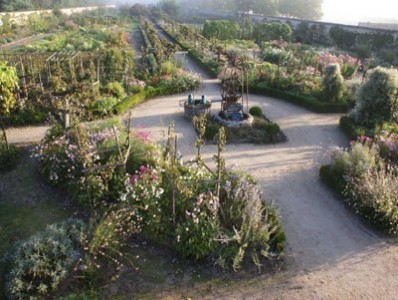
x=195, y=54
x=131, y=101
x=308, y=102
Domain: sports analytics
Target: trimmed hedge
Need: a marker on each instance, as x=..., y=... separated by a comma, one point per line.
x=28, y=116
x=308, y=102
x=195, y=54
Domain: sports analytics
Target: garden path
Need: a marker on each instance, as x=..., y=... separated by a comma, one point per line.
x=331, y=254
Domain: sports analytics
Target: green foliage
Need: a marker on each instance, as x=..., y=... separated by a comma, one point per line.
x=105, y=106
x=387, y=55
x=39, y=264
x=375, y=196
x=360, y=160
x=221, y=29
x=311, y=103
x=168, y=68
x=196, y=233
x=8, y=85
x=377, y=98
x=256, y=111
x=26, y=116
x=343, y=38
x=250, y=228
x=332, y=84
x=8, y=159
x=272, y=31
x=182, y=83
x=116, y=89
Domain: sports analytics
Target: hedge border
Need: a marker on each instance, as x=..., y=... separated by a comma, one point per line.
x=192, y=52
x=300, y=100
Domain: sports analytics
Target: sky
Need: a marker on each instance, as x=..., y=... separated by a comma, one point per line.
x=353, y=11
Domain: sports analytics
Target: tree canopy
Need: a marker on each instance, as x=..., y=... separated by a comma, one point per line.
x=303, y=9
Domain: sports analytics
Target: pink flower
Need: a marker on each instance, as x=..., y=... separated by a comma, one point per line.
x=133, y=179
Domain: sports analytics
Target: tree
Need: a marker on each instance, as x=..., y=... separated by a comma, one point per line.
x=265, y=7
x=221, y=29
x=377, y=99
x=304, y=9
x=170, y=7
x=272, y=31
x=8, y=84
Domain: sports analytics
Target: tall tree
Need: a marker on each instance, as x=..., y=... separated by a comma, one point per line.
x=303, y=9
x=265, y=7
x=170, y=7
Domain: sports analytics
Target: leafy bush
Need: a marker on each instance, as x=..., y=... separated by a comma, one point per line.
x=168, y=68
x=256, y=111
x=361, y=159
x=39, y=264
x=196, y=233
x=182, y=83
x=8, y=160
x=105, y=105
x=27, y=116
x=272, y=31
x=221, y=29
x=376, y=100
x=249, y=227
x=375, y=195
x=332, y=84
x=115, y=89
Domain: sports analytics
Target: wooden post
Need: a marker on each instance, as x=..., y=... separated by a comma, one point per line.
x=4, y=134
x=218, y=171
x=67, y=115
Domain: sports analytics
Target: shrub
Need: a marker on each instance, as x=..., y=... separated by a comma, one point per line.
x=105, y=105
x=221, y=29
x=375, y=195
x=115, y=89
x=332, y=84
x=387, y=55
x=249, y=227
x=361, y=159
x=197, y=231
x=39, y=264
x=272, y=31
x=376, y=99
x=8, y=160
x=256, y=111
x=168, y=68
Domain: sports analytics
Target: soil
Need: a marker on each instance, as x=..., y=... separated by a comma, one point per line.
x=331, y=253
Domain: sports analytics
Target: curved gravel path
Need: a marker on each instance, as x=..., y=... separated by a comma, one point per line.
x=331, y=253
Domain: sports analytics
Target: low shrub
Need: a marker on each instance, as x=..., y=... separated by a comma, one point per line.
x=105, y=106
x=375, y=196
x=115, y=89
x=39, y=264
x=249, y=227
x=310, y=103
x=8, y=160
x=256, y=111
x=197, y=231
x=27, y=116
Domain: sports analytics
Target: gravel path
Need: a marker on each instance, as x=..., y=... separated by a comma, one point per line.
x=331, y=254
